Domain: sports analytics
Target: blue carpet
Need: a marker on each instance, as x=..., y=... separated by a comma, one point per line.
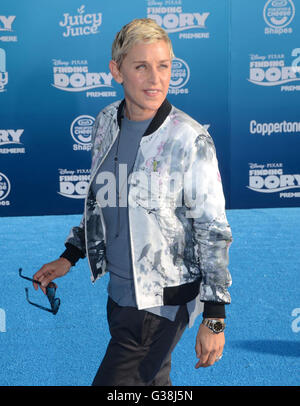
x=262, y=348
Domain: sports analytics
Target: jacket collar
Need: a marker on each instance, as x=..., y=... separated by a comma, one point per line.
x=160, y=116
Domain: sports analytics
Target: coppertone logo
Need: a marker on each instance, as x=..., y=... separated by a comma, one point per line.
x=3, y=72
x=173, y=18
x=278, y=14
x=81, y=132
x=282, y=128
x=81, y=23
x=180, y=75
x=11, y=141
x=6, y=23
x=273, y=70
x=75, y=76
x=270, y=178
x=74, y=183
x=4, y=190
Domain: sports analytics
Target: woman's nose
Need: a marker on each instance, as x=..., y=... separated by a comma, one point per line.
x=153, y=75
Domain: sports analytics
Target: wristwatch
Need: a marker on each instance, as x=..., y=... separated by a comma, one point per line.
x=216, y=326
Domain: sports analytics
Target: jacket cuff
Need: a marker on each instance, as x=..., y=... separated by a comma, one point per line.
x=214, y=310
x=72, y=253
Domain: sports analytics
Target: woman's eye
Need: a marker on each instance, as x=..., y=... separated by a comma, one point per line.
x=139, y=67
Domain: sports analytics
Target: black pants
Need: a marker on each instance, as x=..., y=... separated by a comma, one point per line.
x=139, y=352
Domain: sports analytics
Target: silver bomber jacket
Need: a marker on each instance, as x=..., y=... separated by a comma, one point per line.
x=179, y=233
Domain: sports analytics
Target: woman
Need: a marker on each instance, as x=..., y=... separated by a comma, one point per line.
x=163, y=239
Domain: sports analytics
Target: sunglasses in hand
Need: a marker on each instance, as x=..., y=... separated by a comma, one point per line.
x=50, y=293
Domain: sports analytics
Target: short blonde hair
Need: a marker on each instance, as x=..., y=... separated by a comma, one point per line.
x=138, y=30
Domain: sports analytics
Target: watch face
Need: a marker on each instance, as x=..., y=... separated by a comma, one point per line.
x=218, y=326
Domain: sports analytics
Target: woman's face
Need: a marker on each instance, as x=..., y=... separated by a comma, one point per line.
x=145, y=74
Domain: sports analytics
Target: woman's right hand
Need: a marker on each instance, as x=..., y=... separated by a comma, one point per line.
x=50, y=271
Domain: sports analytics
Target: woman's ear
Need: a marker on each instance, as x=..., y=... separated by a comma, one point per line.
x=113, y=67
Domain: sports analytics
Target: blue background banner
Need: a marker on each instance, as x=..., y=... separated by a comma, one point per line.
x=264, y=104
x=236, y=71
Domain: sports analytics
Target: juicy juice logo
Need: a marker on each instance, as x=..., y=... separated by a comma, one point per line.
x=81, y=24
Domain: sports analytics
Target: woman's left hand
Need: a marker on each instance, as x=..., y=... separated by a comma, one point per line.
x=209, y=346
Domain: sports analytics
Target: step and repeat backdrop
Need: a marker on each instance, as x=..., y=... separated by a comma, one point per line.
x=236, y=71
x=264, y=103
